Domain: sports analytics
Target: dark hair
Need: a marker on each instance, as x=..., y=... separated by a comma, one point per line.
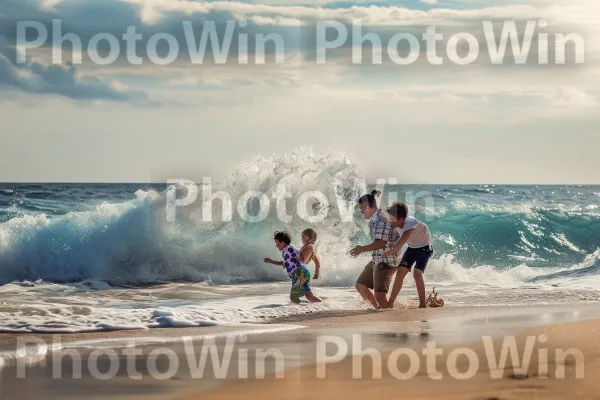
x=283, y=237
x=398, y=210
x=369, y=199
x=311, y=233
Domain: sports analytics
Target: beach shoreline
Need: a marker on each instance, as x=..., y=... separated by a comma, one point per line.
x=512, y=317
x=297, y=338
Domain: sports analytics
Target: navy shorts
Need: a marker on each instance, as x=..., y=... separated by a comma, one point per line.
x=419, y=256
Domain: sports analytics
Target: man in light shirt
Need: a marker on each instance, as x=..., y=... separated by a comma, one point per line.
x=374, y=281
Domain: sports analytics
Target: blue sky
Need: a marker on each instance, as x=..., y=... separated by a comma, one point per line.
x=419, y=123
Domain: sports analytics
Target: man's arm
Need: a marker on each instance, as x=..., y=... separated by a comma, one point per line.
x=381, y=231
x=376, y=245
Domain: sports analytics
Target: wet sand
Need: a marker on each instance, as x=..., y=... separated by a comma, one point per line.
x=558, y=378
x=299, y=342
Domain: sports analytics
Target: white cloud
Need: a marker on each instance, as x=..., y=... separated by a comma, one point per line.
x=302, y=73
x=184, y=81
x=281, y=21
x=152, y=11
x=50, y=4
x=572, y=97
x=34, y=77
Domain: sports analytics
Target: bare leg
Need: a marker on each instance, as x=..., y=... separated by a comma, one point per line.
x=381, y=299
x=420, y=287
x=294, y=298
x=400, y=275
x=312, y=298
x=366, y=294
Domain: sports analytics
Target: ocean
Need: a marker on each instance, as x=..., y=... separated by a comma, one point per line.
x=90, y=257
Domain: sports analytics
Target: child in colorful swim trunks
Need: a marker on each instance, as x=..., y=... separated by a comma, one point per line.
x=296, y=269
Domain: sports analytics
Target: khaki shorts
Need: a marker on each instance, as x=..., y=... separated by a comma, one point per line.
x=378, y=279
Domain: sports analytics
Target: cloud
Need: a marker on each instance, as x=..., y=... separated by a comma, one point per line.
x=572, y=97
x=294, y=25
x=153, y=11
x=34, y=77
x=290, y=21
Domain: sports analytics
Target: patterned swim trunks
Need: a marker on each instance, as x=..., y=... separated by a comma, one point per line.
x=300, y=282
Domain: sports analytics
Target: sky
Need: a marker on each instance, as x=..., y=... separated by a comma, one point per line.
x=69, y=121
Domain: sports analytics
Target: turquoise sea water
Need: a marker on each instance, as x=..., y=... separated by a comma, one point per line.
x=79, y=257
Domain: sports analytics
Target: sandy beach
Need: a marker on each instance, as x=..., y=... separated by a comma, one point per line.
x=398, y=336
x=549, y=375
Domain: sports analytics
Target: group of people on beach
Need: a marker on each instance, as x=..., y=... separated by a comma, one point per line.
x=389, y=232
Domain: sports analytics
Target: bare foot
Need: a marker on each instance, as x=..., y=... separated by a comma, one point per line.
x=422, y=305
x=312, y=298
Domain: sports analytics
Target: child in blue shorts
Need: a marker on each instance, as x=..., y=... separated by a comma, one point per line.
x=296, y=269
x=415, y=234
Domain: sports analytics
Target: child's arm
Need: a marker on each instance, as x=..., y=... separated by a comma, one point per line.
x=269, y=261
x=317, y=265
x=400, y=243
